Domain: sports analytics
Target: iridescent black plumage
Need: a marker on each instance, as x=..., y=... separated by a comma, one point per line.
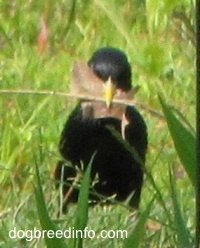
x=119, y=173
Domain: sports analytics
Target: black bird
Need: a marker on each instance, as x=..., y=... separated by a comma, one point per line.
x=117, y=172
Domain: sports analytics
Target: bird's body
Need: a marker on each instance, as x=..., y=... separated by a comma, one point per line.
x=88, y=132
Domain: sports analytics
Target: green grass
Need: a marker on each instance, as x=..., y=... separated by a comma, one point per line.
x=161, y=52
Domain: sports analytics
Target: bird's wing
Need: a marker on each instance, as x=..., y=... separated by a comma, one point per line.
x=84, y=81
x=134, y=130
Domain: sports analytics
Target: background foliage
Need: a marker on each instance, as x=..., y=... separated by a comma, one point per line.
x=158, y=37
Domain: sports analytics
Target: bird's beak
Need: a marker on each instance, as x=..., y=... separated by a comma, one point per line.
x=109, y=92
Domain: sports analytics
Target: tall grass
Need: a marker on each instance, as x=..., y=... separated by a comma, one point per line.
x=158, y=37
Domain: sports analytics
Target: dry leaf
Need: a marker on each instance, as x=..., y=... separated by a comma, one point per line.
x=43, y=36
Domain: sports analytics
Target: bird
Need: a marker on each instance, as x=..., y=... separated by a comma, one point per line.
x=91, y=129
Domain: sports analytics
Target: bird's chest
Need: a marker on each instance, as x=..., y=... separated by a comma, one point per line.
x=97, y=109
x=93, y=130
x=95, y=135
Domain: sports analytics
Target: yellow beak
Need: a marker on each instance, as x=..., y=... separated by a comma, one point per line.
x=109, y=92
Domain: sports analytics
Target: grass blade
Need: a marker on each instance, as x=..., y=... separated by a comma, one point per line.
x=113, y=14
x=136, y=237
x=46, y=223
x=180, y=224
x=183, y=140
x=134, y=240
x=83, y=205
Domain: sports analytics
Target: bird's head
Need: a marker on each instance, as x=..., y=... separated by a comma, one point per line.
x=112, y=67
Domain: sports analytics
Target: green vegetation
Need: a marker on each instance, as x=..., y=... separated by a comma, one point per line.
x=158, y=37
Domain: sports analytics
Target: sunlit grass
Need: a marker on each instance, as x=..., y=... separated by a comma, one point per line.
x=162, y=59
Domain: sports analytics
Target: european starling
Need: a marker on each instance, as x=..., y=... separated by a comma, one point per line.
x=116, y=171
